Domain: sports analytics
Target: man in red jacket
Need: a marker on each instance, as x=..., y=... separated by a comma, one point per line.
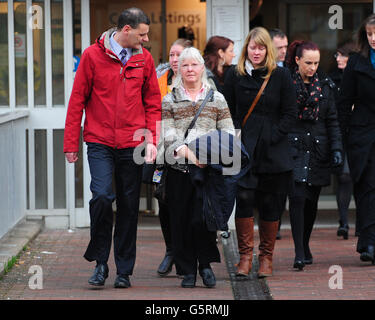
x=116, y=86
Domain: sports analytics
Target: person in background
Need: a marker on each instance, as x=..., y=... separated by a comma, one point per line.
x=166, y=74
x=194, y=246
x=115, y=110
x=280, y=41
x=315, y=141
x=218, y=55
x=344, y=182
x=265, y=138
x=358, y=127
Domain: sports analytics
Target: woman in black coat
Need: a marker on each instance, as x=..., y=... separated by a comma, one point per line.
x=358, y=123
x=344, y=182
x=264, y=136
x=315, y=141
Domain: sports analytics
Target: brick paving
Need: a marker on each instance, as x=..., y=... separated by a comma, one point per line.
x=65, y=271
x=358, y=278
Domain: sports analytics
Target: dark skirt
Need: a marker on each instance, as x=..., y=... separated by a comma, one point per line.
x=192, y=243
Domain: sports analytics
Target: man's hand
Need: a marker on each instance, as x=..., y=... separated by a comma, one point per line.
x=151, y=152
x=71, y=156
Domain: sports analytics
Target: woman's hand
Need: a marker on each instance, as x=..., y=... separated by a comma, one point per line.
x=186, y=153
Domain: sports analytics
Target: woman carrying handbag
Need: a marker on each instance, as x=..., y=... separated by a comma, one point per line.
x=264, y=135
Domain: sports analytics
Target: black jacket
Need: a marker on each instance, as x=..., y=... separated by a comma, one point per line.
x=312, y=142
x=265, y=132
x=358, y=125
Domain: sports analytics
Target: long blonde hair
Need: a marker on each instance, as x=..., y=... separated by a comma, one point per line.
x=261, y=37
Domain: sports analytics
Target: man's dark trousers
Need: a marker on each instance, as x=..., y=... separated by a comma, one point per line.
x=103, y=162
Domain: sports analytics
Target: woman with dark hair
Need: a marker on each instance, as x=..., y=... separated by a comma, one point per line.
x=315, y=142
x=344, y=182
x=264, y=135
x=358, y=127
x=218, y=55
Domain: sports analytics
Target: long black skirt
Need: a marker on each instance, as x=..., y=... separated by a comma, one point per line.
x=192, y=243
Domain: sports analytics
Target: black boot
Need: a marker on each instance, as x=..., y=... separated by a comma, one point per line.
x=165, y=266
x=343, y=231
x=99, y=275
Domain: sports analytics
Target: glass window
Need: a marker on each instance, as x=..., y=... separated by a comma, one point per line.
x=20, y=52
x=41, y=189
x=79, y=176
x=4, y=71
x=310, y=22
x=57, y=40
x=39, y=54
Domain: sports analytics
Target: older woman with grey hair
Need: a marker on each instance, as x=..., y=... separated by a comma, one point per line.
x=194, y=247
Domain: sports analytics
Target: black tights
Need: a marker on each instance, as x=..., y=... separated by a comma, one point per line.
x=302, y=217
x=343, y=196
x=269, y=205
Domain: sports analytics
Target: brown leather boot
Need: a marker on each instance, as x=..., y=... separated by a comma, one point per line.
x=267, y=235
x=245, y=239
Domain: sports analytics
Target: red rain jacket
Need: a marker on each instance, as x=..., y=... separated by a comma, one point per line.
x=118, y=100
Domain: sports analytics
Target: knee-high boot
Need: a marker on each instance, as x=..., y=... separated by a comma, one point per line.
x=267, y=235
x=245, y=238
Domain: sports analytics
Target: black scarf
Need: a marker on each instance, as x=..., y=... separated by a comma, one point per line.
x=307, y=96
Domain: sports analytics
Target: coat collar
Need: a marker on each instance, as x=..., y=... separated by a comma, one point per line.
x=104, y=43
x=179, y=95
x=364, y=65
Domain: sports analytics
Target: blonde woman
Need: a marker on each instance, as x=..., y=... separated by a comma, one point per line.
x=265, y=136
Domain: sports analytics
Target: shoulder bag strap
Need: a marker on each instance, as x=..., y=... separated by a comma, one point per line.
x=209, y=95
x=255, y=101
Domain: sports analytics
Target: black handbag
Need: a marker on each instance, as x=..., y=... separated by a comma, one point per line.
x=161, y=188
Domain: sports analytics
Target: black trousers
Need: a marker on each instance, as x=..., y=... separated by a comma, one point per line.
x=364, y=194
x=104, y=162
x=191, y=242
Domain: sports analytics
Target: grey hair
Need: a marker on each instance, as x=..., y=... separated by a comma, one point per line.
x=190, y=53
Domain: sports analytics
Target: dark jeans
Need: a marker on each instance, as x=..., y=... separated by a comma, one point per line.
x=105, y=161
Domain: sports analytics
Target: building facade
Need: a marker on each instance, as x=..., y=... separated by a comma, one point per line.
x=41, y=43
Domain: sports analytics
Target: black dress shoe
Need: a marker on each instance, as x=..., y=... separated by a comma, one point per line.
x=189, y=281
x=122, y=281
x=165, y=266
x=208, y=277
x=298, y=264
x=99, y=275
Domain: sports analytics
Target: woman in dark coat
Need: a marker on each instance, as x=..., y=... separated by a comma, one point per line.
x=344, y=182
x=264, y=136
x=358, y=123
x=315, y=141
